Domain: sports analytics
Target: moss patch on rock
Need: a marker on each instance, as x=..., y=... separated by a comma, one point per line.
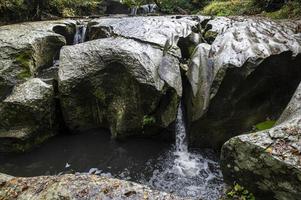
x=265, y=125
x=24, y=60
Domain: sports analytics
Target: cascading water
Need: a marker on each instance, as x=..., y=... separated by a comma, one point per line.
x=80, y=34
x=189, y=174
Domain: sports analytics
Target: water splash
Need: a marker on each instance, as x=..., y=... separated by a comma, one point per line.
x=193, y=174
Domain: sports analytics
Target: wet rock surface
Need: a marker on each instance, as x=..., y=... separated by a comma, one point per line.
x=76, y=187
x=231, y=73
x=268, y=162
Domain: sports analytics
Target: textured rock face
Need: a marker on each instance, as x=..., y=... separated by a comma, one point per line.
x=116, y=83
x=27, y=103
x=248, y=74
x=77, y=187
x=27, y=116
x=268, y=162
x=27, y=48
x=163, y=31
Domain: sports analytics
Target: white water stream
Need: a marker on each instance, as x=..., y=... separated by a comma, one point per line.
x=188, y=174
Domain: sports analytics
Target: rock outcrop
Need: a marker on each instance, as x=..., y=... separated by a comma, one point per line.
x=27, y=116
x=77, y=187
x=115, y=83
x=27, y=103
x=129, y=80
x=268, y=162
x=247, y=74
x=27, y=48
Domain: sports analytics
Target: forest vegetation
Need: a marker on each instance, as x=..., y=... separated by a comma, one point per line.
x=26, y=10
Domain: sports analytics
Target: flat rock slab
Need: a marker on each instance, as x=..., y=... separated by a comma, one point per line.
x=76, y=187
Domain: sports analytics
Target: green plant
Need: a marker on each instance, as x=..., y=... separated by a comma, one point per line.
x=228, y=8
x=148, y=120
x=265, y=125
x=238, y=192
x=289, y=10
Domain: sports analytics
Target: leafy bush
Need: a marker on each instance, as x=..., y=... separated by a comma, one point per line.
x=237, y=192
x=289, y=10
x=227, y=8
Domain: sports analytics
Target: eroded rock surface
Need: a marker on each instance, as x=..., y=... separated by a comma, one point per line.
x=76, y=187
x=268, y=162
x=27, y=116
x=27, y=110
x=27, y=48
x=116, y=83
x=248, y=74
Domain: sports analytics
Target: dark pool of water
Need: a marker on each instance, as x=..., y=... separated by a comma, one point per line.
x=144, y=161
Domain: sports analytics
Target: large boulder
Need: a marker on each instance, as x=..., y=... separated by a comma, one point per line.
x=128, y=78
x=27, y=104
x=246, y=75
x=29, y=47
x=27, y=116
x=268, y=162
x=120, y=84
x=76, y=187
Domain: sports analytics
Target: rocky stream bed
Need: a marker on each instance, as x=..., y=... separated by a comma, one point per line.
x=204, y=82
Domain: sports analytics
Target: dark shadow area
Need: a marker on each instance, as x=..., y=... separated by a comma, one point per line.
x=243, y=100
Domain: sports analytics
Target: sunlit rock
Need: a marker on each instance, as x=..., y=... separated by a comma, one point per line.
x=27, y=48
x=76, y=187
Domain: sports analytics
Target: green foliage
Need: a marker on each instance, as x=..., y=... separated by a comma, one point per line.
x=237, y=192
x=280, y=9
x=265, y=125
x=228, y=8
x=70, y=8
x=148, y=120
x=290, y=10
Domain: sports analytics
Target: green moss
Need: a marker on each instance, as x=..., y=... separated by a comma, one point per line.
x=148, y=120
x=24, y=60
x=265, y=125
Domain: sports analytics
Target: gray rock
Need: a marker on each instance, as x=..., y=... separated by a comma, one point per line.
x=118, y=83
x=268, y=162
x=155, y=30
x=27, y=48
x=78, y=187
x=248, y=74
x=27, y=116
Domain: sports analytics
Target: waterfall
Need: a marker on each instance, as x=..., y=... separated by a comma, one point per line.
x=80, y=34
x=187, y=173
x=181, y=132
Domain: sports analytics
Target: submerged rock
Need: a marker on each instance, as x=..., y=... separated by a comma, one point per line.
x=247, y=75
x=76, y=187
x=27, y=116
x=268, y=162
x=116, y=83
